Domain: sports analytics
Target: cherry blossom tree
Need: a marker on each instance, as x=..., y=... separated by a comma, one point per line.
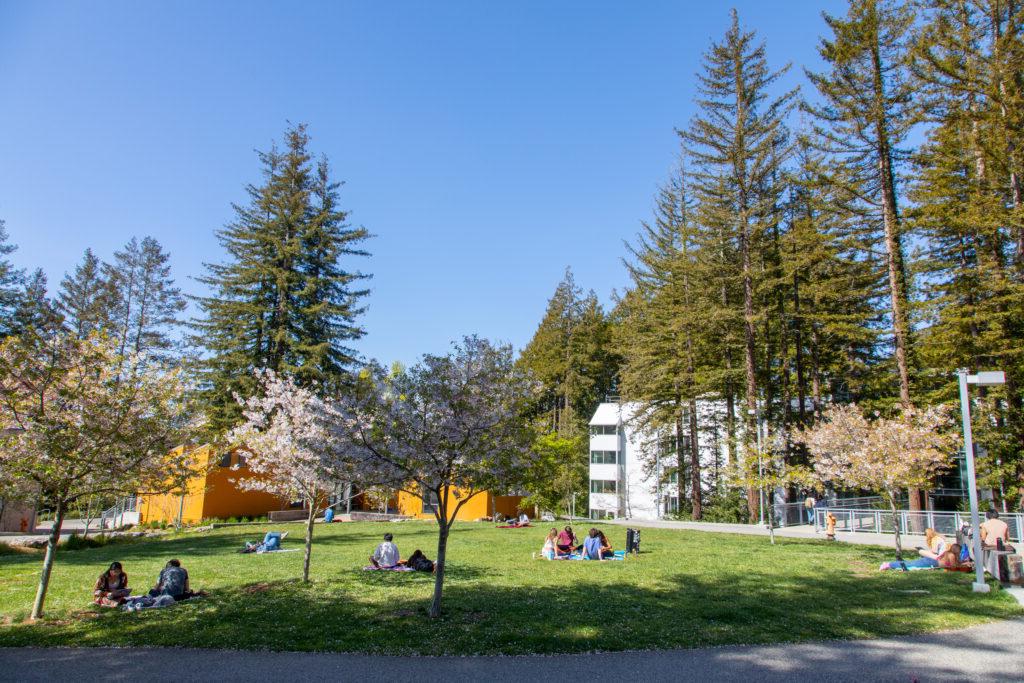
x=444, y=430
x=80, y=420
x=884, y=455
x=285, y=436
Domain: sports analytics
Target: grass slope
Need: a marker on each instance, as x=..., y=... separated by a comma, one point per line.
x=687, y=589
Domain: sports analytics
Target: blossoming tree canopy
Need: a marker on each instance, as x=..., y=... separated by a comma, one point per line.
x=80, y=420
x=286, y=435
x=885, y=455
x=444, y=430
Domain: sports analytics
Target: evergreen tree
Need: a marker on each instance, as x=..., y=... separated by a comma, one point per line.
x=736, y=146
x=10, y=281
x=967, y=194
x=144, y=304
x=572, y=359
x=659, y=334
x=36, y=315
x=283, y=299
x=84, y=297
x=866, y=115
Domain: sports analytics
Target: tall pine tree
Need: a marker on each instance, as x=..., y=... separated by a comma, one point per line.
x=84, y=297
x=285, y=298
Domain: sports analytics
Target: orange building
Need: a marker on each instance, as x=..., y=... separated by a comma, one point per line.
x=212, y=493
x=482, y=504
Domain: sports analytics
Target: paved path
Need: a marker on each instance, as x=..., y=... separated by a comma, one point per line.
x=991, y=652
x=802, y=531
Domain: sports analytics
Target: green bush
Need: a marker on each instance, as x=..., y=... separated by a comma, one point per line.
x=729, y=507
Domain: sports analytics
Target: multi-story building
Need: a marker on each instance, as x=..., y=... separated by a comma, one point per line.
x=633, y=470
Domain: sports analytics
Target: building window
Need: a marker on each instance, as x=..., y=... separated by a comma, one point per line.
x=603, y=486
x=602, y=514
x=597, y=430
x=604, y=457
x=429, y=502
x=671, y=505
x=225, y=460
x=673, y=478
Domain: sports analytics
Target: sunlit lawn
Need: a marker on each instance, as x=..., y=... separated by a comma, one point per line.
x=687, y=589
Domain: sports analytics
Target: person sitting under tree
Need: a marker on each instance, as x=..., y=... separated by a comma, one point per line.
x=111, y=587
x=386, y=555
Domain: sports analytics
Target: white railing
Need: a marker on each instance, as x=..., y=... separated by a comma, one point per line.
x=875, y=521
x=125, y=511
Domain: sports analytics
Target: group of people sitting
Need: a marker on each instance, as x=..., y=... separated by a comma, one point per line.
x=386, y=556
x=112, y=589
x=939, y=553
x=561, y=545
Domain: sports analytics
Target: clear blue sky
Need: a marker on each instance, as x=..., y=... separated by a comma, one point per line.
x=487, y=145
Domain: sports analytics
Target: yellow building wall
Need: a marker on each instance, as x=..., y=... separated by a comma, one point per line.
x=210, y=493
x=225, y=498
x=482, y=504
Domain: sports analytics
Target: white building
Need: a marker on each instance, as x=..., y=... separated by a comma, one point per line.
x=633, y=471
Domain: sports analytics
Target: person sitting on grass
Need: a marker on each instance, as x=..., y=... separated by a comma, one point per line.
x=550, y=550
x=173, y=581
x=606, y=546
x=386, y=555
x=112, y=587
x=592, y=546
x=567, y=541
x=419, y=562
x=949, y=559
x=935, y=544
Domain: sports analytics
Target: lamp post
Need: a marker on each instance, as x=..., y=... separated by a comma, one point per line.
x=982, y=379
x=760, y=465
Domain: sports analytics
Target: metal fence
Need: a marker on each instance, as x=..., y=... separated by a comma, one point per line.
x=881, y=521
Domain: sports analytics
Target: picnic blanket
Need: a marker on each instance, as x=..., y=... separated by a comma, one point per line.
x=620, y=555
x=397, y=568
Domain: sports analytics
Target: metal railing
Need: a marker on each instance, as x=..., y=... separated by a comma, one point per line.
x=875, y=521
x=121, y=512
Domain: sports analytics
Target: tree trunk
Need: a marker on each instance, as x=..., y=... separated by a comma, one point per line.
x=442, y=547
x=51, y=552
x=696, y=497
x=309, y=540
x=896, y=528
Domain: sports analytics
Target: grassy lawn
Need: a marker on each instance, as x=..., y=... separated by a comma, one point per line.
x=687, y=589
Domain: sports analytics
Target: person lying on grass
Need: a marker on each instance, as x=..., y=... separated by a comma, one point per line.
x=949, y=559
x=271, y=541
x=112, y=586
x=419, y=562
x=173, y=581
x=522, y=520
x=386, y=555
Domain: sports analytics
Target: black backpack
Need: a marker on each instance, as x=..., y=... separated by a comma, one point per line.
x=633, y=541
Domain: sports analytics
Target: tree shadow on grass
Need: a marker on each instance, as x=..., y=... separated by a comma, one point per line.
x=379, y=612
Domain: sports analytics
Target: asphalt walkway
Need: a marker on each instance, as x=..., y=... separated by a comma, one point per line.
x=991, y=652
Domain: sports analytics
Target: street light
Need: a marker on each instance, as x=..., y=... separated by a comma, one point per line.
x=982, y=379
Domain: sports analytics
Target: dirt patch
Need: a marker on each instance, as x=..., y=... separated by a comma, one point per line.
x=256, y=588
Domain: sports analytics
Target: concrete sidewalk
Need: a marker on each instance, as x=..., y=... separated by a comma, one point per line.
x=802, y=531
x=991, y=652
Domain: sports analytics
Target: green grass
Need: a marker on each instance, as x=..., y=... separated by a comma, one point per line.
x=687, y=589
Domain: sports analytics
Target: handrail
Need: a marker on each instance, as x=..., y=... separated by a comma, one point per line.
x=876, y=521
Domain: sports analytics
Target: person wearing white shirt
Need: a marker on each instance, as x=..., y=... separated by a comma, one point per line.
x=386, y=555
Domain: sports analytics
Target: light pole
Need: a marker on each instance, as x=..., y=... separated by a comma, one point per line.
x=982, y=379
